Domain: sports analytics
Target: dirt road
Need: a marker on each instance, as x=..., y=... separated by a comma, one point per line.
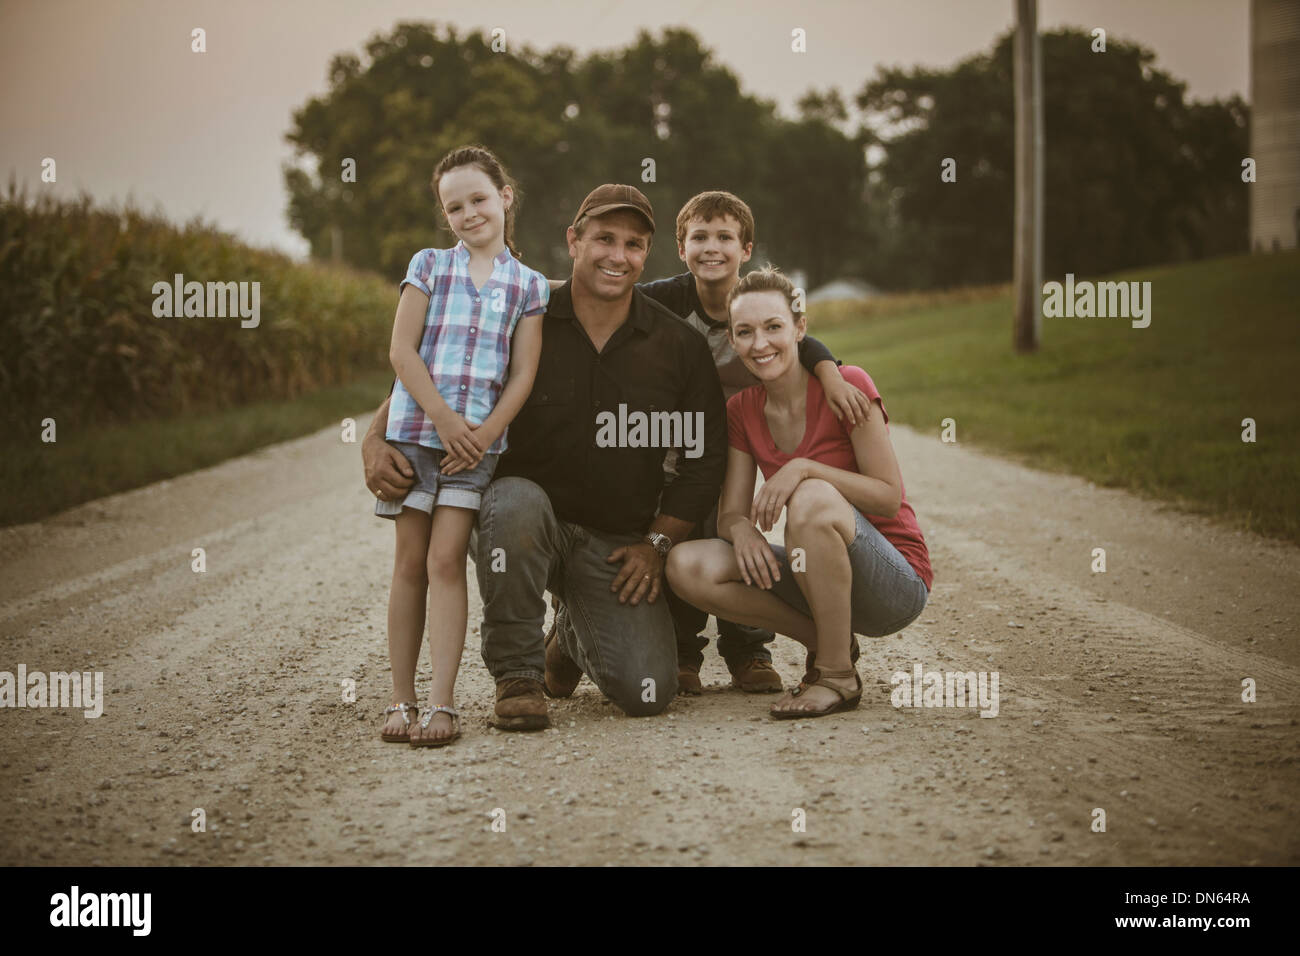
x=1119, y=690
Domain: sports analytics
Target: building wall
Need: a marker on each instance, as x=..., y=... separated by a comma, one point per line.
x=1275, y=124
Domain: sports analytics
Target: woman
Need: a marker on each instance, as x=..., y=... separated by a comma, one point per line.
x=854, y=559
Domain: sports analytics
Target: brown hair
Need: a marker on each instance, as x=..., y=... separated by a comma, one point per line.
x=485, y=160
x=767, y=279
x=712, y=204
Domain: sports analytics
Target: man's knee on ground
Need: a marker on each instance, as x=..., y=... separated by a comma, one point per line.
x=642, y=688
x=647, y=696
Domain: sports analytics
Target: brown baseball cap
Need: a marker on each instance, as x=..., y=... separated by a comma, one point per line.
x=613, y=196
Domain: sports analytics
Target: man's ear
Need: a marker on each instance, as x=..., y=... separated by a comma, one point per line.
x=571, y=237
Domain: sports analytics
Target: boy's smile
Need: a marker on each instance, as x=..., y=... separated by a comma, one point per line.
x=712, y=249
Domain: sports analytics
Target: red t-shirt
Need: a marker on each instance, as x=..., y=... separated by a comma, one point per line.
x=825, y=440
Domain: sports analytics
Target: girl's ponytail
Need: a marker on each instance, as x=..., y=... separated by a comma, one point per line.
x=485, y=160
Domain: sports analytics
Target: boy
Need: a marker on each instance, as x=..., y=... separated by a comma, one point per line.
x=715, y=236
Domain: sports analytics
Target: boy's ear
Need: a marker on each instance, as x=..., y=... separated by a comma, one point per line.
x=749, y=251
x=681, y=251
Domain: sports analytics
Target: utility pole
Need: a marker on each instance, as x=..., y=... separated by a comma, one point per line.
x=1027, y=270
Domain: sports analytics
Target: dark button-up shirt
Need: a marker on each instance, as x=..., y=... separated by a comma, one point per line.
x=573, y=439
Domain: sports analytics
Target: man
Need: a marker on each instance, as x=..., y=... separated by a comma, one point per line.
x=569, y=513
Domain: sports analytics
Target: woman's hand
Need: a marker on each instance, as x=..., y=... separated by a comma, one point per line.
x=776, y=491
x=758, y=565
x=458, y=438
x=846, y=400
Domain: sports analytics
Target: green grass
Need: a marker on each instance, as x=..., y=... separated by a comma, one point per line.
x=41, y=479
x=1155, y=410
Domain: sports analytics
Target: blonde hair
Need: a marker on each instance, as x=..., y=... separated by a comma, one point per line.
x=767, y=279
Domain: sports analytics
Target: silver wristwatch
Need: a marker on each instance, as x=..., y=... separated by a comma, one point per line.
x=660, y=542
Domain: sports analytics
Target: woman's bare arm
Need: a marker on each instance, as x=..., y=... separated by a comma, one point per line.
x=878, y=489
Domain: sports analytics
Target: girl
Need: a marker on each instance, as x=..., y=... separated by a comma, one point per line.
x=864, y=566
x=466, y=316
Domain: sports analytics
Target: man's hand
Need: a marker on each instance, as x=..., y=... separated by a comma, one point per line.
x=776, y=491
x=640, y=575
x=389, y=476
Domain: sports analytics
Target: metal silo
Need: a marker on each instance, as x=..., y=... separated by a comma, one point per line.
x=1275, y=124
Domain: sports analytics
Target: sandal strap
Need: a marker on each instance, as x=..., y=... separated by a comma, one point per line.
x=818, y=676
x=403, y=707
x=428, y=715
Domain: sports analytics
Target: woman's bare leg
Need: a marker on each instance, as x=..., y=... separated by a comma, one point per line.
x=706, y=574
x=406, y=602
x=821, y=522
x=448, y=611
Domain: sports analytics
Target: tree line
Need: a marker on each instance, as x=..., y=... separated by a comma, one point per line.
x=1136, y=173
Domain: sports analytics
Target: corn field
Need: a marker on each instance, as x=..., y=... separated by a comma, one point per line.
x=81, y=341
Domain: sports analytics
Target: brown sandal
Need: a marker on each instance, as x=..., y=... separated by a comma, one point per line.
x=814, y=678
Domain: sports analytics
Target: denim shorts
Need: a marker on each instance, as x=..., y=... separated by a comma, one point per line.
x=461, y=490
x=887, y=593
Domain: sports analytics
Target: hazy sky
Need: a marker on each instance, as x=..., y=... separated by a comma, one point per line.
x=111, y=91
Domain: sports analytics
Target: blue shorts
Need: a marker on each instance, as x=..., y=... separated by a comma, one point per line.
x=461, y=490
x=887, y=593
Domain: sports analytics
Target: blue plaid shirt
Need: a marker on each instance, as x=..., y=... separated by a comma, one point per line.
x=466, y=341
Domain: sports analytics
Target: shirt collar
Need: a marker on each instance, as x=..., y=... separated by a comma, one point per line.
x=462, y=254
x=696, y=306
x=560, y=306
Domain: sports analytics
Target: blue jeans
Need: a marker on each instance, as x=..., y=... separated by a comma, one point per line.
x=887, y=593
x=520, y=551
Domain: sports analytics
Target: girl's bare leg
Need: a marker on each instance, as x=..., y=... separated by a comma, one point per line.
x=406, y=602
x=448, y=611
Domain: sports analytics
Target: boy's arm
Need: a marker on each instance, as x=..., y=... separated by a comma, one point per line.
x=671, y=293
x=843, y=398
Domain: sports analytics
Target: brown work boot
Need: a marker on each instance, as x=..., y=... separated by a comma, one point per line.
x=688, y=680
x=756, y=676
x=562, y=673
x=520, y=705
